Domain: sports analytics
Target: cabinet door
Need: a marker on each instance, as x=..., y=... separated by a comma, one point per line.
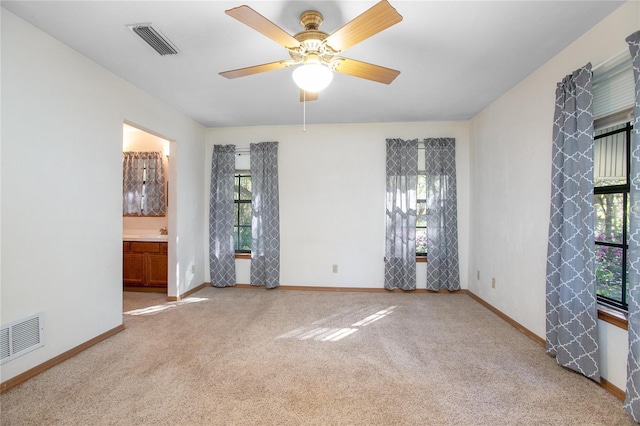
x=156, y=269
x=133, y=269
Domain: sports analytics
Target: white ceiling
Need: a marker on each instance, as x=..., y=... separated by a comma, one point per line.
x=455, y=57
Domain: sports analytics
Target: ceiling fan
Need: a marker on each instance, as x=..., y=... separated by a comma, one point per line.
x=316, y=51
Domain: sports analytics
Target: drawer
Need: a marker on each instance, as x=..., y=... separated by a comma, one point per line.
x=144, y=247
x=126, y=246
x=164, y=248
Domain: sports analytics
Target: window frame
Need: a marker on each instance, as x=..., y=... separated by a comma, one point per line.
x=237, y=177
x=624, y=190
x=419, y=201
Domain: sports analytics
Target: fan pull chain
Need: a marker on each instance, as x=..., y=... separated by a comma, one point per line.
x=304, y=110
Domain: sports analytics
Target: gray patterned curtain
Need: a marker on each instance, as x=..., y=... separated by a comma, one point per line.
x=143, y=184
x=571, y=295
x=265, y=215
x=222, y=259
x=400, y=243
x=632, y=399
x=442, y=214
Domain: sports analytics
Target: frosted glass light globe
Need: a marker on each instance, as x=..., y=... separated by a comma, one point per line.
x=312, y=77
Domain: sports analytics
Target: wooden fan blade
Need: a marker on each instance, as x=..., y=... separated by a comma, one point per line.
x=250, y=17
x=308, y=96
x=256, y=69
x=378, y=18
x=364, y=70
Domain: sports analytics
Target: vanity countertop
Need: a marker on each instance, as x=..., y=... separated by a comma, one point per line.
x=156, y=238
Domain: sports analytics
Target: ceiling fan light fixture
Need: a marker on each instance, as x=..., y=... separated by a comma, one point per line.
x=312, y=77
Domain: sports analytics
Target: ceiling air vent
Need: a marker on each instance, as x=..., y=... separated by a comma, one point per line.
x=154, y=38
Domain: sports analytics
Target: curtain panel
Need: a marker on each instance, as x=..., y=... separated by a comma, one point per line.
x=400, y=242
x=143, y=184
x=222, y=262
x=571, y=309
x=632, y=399
x=442, y=214
x=265, y=215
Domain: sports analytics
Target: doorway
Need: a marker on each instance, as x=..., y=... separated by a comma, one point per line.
x=147, y=210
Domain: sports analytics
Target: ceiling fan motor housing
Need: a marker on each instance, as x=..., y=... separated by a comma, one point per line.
x=312, y=46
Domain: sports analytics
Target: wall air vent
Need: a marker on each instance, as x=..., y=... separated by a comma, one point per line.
x=22, y=336
x=154, y=39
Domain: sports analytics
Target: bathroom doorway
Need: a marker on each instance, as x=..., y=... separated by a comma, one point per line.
x=146, y=210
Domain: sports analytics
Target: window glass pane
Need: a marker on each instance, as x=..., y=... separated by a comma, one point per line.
x=143, y=194
x=610, y=158
x=245, y=187
x=242, y=211
x=421, y=213
x=610, y=182
x=609, y=272
x=604, y=130
x=609, y=217
x=422, y=187
x=421, y=240
x=245, y=214
x=245, y=238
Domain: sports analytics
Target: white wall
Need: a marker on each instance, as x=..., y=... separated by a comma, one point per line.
x=61, y=176
x=332, y=198
x=511, y=180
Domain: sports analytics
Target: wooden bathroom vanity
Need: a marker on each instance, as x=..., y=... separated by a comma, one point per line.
x=144, y=265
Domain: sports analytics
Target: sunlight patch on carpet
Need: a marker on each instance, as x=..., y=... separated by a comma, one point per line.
x=333, y=334
x=375, y=317
x=153, y=310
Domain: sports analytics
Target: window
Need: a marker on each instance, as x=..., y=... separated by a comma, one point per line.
x=143, y=184
x=611, y=202
x=242, y=212
x=421, y=215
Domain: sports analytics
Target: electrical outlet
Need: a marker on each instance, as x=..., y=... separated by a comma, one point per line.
x=193, y=269
x=493, y=283
x=334, y=269
x=478, y=274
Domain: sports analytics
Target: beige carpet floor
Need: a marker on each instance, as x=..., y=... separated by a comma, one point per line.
x=251, y=356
